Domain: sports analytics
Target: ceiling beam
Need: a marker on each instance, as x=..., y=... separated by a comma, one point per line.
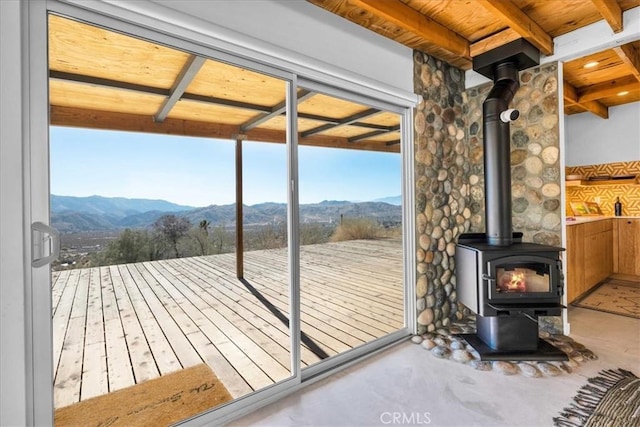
x=607, y=89
x=414, y=22
x=93, y=119
x=631, y=57
x=494, y=41
x=570, y=96
x=611, y=12
x=187, y=74
x=515, y=18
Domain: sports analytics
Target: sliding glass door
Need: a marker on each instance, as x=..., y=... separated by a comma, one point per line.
x=172, y=292
x=351, y=253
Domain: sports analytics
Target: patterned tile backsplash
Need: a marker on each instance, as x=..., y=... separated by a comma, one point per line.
x=606, y=195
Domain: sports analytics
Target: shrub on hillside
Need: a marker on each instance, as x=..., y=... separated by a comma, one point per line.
x=357, y=229
x=314, y=233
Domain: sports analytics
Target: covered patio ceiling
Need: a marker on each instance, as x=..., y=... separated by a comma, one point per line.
x=101, y=79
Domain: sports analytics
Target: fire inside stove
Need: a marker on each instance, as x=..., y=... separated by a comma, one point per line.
x=523, y=279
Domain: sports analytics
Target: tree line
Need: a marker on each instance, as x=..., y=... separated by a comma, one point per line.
x=172, y=236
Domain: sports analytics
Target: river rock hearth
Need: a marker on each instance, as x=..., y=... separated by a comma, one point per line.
x=446, y=344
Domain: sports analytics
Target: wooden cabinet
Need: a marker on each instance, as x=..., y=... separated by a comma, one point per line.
x=589, y=256
x=626, y=248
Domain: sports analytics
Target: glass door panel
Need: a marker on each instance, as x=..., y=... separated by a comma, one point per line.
x=351, y=253
x=168, y=298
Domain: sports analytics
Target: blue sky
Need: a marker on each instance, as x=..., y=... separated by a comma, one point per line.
x=200, y=171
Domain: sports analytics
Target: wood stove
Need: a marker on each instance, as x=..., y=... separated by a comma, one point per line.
x=509, y=287
x=506, y=282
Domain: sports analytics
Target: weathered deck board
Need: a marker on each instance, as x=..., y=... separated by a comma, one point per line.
x=94, y=367
x=119, y=325
x=134, y=335
x=68, y=380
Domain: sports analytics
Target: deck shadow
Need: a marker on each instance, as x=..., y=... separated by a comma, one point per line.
x=306, y=340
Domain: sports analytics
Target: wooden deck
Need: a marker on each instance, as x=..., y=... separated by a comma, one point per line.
x=119, y=325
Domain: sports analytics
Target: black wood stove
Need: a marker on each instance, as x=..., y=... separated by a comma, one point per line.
x=506, y=282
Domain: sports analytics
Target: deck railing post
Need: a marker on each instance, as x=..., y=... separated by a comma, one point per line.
x=239, y=221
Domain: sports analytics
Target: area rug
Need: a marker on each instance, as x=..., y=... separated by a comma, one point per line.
x=614, y=296
x=612, y=399
x=158, y=402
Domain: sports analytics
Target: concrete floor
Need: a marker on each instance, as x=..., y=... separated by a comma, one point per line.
x=405, y=385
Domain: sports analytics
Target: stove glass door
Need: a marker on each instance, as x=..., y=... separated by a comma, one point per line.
x=523, y=278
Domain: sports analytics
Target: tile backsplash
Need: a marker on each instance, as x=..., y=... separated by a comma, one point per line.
x=605, y=195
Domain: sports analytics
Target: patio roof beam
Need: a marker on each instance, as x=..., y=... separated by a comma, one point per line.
x=115, y=84
x=267, y=110
x=187, y=74
x=226, y=102
x=344, y=122
x=277, y=110
x=108, y=83
x=95, y=119
x=384, y=128
x=388, y=129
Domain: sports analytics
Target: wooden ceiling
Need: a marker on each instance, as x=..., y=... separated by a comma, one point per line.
x=105, y=80
x=458, y=30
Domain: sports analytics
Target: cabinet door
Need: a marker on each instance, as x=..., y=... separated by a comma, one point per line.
x=575, y=261
x=629, y=246
x=607, y=252
x=598, y=259
x=592, y=260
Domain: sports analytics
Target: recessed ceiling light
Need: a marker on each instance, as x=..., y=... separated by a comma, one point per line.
x=590, y=64
x=623, y=93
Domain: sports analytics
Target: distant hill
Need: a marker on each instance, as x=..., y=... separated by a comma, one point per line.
x=114, y=206
x=78, y=214
x=393, y=200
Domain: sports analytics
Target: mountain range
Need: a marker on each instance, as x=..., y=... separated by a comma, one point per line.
x=97, y=213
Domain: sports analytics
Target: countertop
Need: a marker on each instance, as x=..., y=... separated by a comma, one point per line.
x=583, y=219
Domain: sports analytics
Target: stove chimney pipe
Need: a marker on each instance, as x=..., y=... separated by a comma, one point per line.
x=497, y=154
x=501, y=65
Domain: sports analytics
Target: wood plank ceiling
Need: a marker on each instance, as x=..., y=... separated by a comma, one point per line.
x=105, y=80
x=455, y=31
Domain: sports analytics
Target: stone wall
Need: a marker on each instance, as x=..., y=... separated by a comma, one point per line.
x=442, y=168
x=450, y=176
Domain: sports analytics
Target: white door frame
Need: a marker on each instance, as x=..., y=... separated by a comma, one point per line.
x=36, y=190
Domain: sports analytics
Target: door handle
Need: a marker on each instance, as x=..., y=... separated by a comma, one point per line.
x=44, y=239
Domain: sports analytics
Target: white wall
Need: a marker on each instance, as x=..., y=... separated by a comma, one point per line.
x=12, y=291
x=591, y=140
